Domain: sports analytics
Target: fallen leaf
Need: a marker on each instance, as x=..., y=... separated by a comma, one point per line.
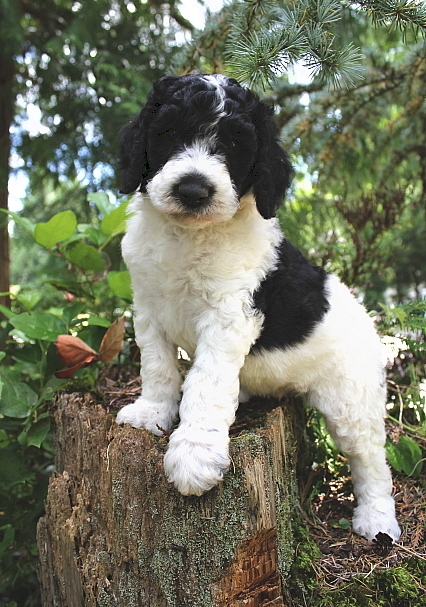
x=112, y=342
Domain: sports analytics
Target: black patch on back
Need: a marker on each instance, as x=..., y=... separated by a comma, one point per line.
x=292, y=298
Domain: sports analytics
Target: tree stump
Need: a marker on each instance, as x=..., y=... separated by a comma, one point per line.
x=115, y=533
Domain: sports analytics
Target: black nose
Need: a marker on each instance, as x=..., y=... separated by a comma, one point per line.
x=193, y=191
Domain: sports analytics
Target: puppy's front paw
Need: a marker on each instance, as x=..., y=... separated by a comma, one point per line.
x=375, y=517
x=144, y=413
x=196, y=459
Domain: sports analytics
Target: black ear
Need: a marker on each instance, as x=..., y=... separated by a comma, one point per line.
x=272, y=171
x=133, y=153
x=133, y=158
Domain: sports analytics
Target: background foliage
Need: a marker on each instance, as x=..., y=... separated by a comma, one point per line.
x=357, y=206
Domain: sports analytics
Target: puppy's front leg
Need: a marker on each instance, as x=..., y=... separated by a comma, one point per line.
x=157, y=407
x=197, y=457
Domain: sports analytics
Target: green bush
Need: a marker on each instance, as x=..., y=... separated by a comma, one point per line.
x=92, y=288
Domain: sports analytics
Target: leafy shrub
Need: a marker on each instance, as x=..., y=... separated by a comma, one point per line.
x=404, y=328
x=93, y=288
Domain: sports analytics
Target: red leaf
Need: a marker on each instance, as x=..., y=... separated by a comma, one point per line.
x=112, y=342
x=67, y=373
x=73, y=351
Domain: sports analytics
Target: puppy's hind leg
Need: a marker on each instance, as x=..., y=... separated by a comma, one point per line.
x=355, y=420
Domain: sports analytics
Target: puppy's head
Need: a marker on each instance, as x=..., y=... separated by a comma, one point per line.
x=201, y=143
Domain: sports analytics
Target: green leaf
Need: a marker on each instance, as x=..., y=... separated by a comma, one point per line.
x=98, y=321
x=85, y=257
x=400, y=314
x=34, y=434
x=39, y=325
x=71, y=312
x=6, y=312
x=29, y=300
x=120, y=285
x=102, y=202
x=92, y=233
x=4, y=439
x=60, y=227
x=50, y=389
x=115, y=222
x=17, y=399
x=69, y=286
x=406, y=456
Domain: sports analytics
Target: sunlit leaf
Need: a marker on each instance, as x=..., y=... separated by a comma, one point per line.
x=24, y=222
x=38, y=325
x=120, y=285
x=115, y=222
x=60, y=227
x=102, y=202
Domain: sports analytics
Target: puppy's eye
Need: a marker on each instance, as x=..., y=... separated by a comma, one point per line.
x=234, y=143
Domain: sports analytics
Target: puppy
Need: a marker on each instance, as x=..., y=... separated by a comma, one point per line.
x=212, y=273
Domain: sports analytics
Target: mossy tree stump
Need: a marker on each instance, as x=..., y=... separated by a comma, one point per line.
x=116, y=533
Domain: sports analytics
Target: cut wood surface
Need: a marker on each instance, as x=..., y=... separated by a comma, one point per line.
x=115, y=533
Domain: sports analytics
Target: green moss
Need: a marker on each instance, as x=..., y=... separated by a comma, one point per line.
x=186, y=551
x=301, y=581
x=128, y=589
x=81, y=385
x=287, y=506
x=401, y=586
x=252, y=442
x=106, y=599
x=396, y=587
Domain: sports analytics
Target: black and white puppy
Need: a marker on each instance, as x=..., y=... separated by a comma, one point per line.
x=212, y=273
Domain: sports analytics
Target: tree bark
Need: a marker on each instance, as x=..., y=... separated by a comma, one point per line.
x=115, y=533
x=7, y=73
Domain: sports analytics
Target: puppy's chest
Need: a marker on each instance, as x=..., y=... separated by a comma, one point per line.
x=189, y=280
x=199, y=276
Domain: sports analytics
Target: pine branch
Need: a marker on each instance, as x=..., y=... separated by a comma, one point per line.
x=402, y=14
x=264, y=42
x=261, y=39
x=259, y=57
